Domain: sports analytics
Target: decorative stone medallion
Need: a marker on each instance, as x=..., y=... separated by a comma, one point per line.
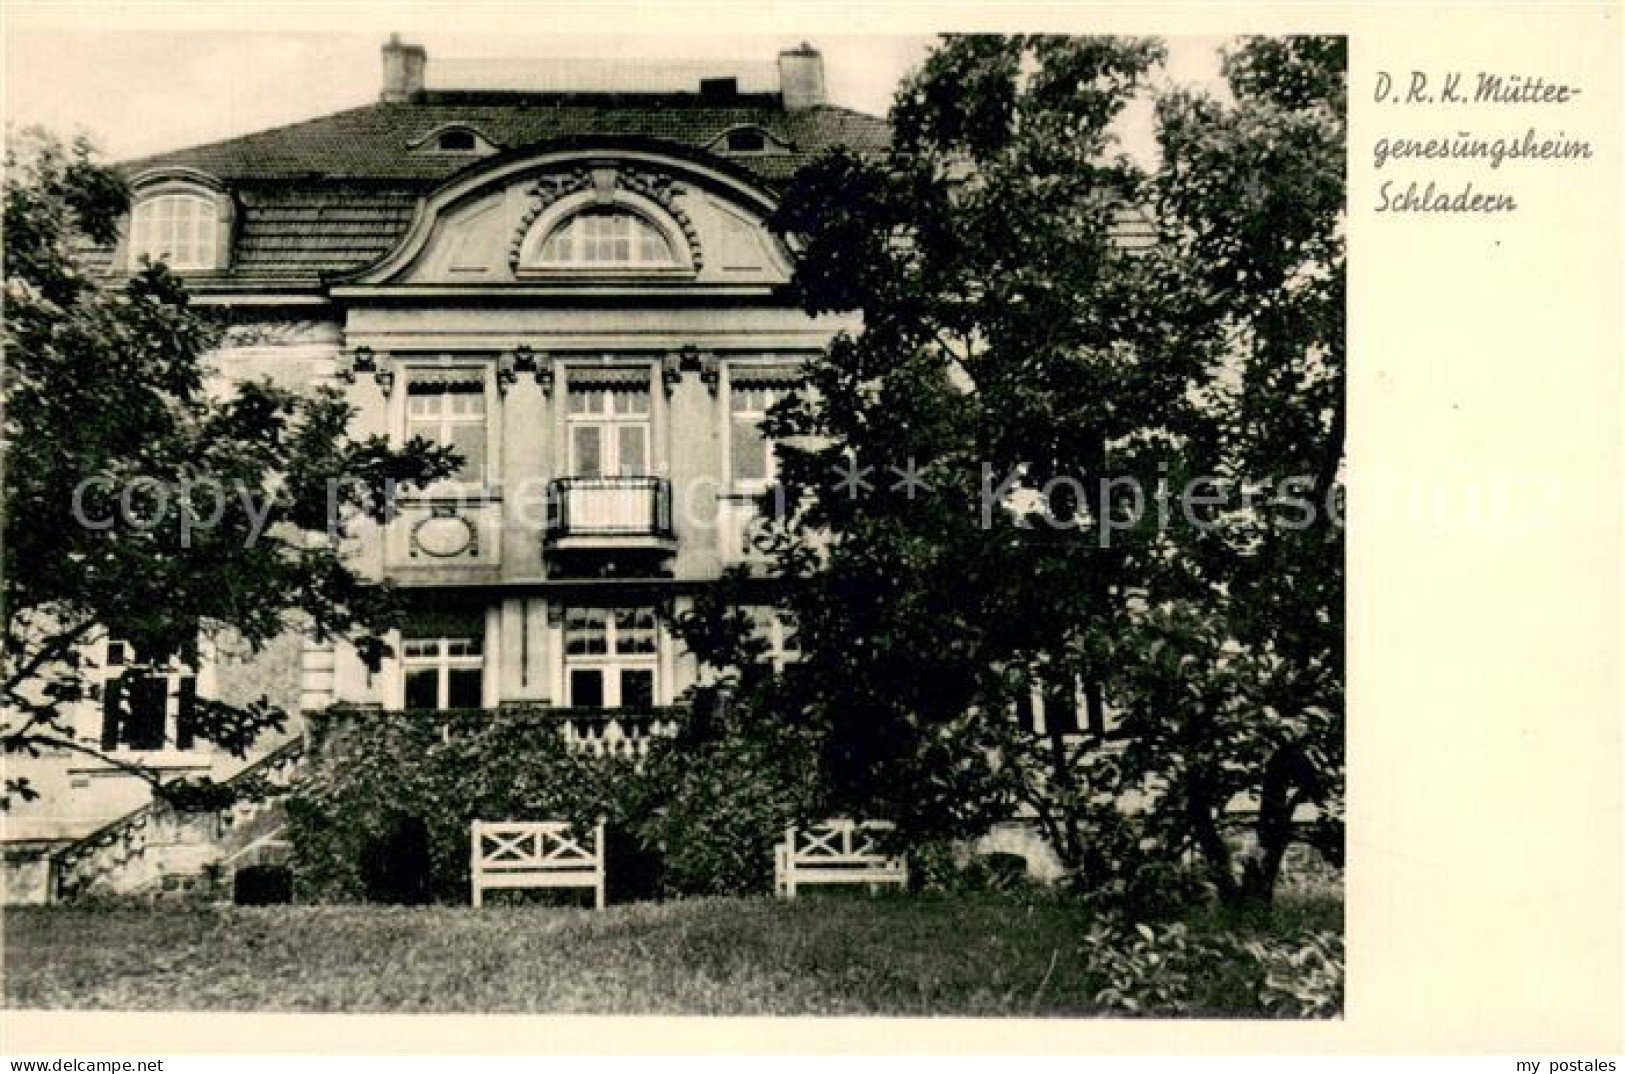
x=443, y=536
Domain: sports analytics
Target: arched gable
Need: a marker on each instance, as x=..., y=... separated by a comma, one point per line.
x=698, y=225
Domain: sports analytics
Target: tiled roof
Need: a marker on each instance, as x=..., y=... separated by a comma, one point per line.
x=375, y=142
x=302, y=231
x=337, y=192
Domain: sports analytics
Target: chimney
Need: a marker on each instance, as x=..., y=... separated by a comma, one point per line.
x=801, y=78
x=403, y=70
x=719, y=89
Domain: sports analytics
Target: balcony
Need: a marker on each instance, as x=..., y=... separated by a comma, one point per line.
x=625, y=733
x=609, y=515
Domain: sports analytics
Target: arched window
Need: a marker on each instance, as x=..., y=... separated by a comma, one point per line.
x=182, y=230
x=607, y=238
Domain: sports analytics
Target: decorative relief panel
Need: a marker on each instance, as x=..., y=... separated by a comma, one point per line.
x=444, y=537
x=605, y=184
x=444, y=534
x=280, y=333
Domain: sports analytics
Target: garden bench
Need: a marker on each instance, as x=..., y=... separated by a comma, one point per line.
x=835, y=852
x=536, y=854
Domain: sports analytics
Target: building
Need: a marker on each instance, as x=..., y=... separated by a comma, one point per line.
x=576, y=290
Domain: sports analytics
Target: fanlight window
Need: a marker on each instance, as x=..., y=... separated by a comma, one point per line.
x=180, y=229
x=607, y=239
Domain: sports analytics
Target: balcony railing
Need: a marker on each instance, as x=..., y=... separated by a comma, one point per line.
x=608, y=507
x=626, y=733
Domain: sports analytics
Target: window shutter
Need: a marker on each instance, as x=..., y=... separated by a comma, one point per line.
x=185, y=719
x=1095, y=707
x=1024, y=712
x=112, y=701
x=1061, y=711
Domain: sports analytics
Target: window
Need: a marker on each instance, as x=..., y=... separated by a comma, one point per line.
x=746, y=140
x=609, y=430
x=1061, y=709
x=610, y=657
x=455, y=138
x=142, y=705
x=1053, y=707
x=777, y=631
x=613, y=238
x=1025, y=717
x=450, y=412
x=750, y=451
x=182, y=230
x=444, y=672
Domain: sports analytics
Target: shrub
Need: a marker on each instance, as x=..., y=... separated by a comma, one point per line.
x=1160, y=890
x=1146, y=970
x=721, y=805
x=937, y=865
x=1143, y=971
x=196, y=795
x=1303, y=978
x=262, y=885
x=1130, y=872
x=385, y=811
x=378, y=782
x=396, y=868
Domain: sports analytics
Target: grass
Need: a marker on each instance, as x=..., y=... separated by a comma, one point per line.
x=836, y=954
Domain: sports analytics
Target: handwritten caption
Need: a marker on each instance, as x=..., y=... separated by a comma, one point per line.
x=1499, y=137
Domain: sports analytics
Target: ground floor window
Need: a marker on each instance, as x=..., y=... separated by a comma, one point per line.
x=611, y=657
x=776, y=632
x=444, y=672
x=145, y=708
x=1059, y=707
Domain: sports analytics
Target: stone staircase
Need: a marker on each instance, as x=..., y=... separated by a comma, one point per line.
x=159, y=852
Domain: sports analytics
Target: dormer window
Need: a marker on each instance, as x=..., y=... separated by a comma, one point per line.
x=179, y=229
x=455, y=139
x=746, y=140
x=607, y=239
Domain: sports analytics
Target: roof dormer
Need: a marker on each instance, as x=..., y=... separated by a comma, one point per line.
x=748, y=140
x=456, y=140
x=181, y=217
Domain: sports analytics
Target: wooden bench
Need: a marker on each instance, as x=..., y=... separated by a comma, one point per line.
x=536, y=854
x=835, y=852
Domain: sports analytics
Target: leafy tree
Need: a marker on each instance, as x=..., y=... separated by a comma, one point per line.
x=143, y=505
x=1233, y=667
x=1045, y=380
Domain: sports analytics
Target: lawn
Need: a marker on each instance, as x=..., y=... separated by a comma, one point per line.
x=821, y=955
